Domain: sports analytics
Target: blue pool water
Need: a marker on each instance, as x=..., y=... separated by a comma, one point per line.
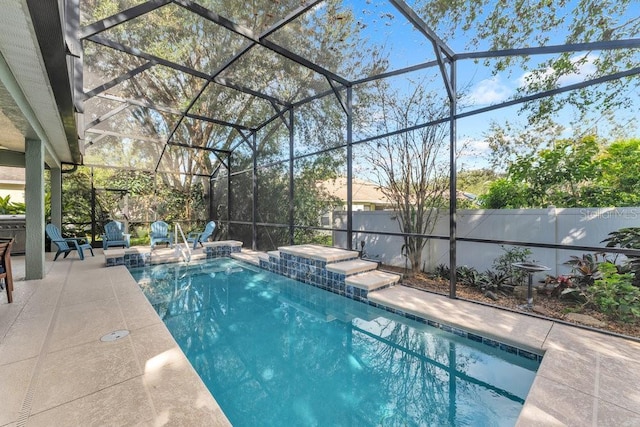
x=276, y=352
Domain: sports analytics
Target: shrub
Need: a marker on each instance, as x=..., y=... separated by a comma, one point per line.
x=504, y=265
x=494, y=280
x=584, y=269
x=555, y=286
x=442, y=271
x=614, y=294
x=469, y=276
x=627, y=238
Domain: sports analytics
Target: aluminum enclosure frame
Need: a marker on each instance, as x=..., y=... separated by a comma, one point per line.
x=341, y=88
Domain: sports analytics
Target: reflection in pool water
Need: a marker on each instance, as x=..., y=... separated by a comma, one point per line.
x=276, y=352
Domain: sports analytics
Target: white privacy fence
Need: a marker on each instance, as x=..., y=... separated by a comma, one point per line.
x=555, y=226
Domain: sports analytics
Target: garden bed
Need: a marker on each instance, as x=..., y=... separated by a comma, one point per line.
x=551, y=307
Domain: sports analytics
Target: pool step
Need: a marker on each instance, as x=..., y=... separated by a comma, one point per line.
x=349, y=268
x=168, y=255
x=372, y=280
x=248, y=256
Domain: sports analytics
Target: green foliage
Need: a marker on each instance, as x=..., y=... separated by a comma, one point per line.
x=620, y=173
x=476, y=181
x=442, y=271
x=614, y=295
x=553, y=176
x=555, y=286
x=469, y=276
x=585, y=269
x=573, y=173
x=504, y=193
x=627, y=238
x=504, y=264
x=506, y=24
x=495, y=280
x=7, y=207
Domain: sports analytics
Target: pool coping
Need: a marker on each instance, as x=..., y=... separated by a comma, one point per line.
x=585, y=378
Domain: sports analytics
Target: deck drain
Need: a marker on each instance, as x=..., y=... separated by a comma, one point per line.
x=115, y=335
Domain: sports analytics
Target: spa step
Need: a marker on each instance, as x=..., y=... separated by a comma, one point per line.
x=349, y=268
x=164, y=258
x=248, y=256
x=372, y=280
x=319, y=253
x=274, y=254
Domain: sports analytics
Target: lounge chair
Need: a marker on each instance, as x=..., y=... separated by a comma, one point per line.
x=160, y=234
x=196, y=237
x=66, y=245
x=114, y=235
x=5, y=266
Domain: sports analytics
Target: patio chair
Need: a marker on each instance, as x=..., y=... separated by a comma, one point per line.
x=160, y=234
x=5, y=266
x=66, y=245
x=114, y=235
x=197, y=237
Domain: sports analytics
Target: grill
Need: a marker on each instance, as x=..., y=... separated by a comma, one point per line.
x=14, y=226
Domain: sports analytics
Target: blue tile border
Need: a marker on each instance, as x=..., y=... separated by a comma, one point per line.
x=314, y=273
x=134, y=259
x=464, y=334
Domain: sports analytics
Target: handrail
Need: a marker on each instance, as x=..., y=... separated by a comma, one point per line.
x=179, y=248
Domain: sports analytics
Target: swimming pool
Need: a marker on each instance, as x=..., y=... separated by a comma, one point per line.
x=277, y=352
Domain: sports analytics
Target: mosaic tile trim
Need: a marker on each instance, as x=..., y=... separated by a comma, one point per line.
x=143, y=259
x=464, y=334
x=221, y=251
x=130, y=260
x=314, y=273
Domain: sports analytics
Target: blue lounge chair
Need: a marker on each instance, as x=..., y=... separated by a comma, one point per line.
x=160, y=234
x=114, y=235
x=196, y=237
x=66, y=245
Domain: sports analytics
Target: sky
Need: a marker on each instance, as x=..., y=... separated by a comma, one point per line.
x=405, y=46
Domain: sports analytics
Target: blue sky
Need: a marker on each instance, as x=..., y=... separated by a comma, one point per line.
x=385, y=26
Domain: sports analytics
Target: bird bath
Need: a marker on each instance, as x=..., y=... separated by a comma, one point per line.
x=530, y=268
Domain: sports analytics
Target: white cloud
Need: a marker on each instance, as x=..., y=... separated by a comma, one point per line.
x=585, y=68
x=473, y=153
x=488, y=91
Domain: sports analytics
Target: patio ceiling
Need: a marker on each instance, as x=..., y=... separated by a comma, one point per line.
x=33, y=103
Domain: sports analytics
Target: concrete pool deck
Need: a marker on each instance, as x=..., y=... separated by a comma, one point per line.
x=54, y=370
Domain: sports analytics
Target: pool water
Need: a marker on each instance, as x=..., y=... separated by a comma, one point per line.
x=276, y=352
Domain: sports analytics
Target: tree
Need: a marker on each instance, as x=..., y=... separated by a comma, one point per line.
x=173, y=33
x=574, y=173
x=555, y=176
x=509, y=142
x=619, y=183
x=501, y=25
x=476, y=180
x=411, y=167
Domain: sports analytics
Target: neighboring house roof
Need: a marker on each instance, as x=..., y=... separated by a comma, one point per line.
x=369, y=192
x=363, y=191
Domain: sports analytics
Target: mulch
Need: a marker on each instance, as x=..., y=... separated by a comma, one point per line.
x=544, y=306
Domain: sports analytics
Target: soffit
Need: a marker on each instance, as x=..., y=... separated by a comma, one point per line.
x=13, y=126
x=20, y=50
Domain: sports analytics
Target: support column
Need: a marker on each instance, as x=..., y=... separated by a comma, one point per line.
x=350, y=168
x=453, y=196
x=254, y=187
x=34, y=200
x=56, y=196
x=292, y=194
